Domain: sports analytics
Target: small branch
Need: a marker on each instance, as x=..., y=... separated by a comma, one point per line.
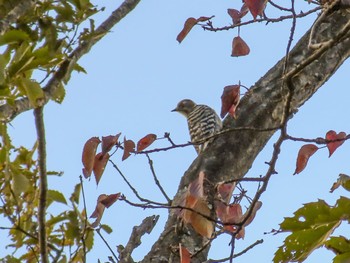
x=146, y=226
x=85, y=218
x=267, y=20
x=106, y=243
x=150, y=162
x=39, y=123
x=133, y=188
x=260, y=241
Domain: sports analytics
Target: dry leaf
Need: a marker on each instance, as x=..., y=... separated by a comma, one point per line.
x=189, y=24
x=108, y=142
x=129, y=146
x=239, y=47
x=230, y=100
x=146, y=141
x=305, y=152
x=332, y=135
x=88, y=156
x=100, y=165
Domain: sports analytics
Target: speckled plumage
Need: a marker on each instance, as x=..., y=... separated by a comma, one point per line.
x=202, y=122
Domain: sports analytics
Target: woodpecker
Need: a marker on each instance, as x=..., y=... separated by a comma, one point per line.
x=202, y=122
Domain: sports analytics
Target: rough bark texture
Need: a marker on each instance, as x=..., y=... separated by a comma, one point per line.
x=232, y=154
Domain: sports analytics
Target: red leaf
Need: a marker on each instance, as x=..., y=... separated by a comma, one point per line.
x=103, y=201
x=256, y=7
x=332, y=135
x=244, y=10
x=100, y=165
x=239, y=47
x=230, y=100
x=108, y=142
x=256, y=207
x=99, y=209
x=185, y=256
x=225, y=190
x=129, y=146
x=189, y=24
x=110, y=199
x=235, y=15
x=305, y=152
x=146, y=141
x=88, y=157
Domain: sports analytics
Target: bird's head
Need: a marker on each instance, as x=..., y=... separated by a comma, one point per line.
x=185, y=107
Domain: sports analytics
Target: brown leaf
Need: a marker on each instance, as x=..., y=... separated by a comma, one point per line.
x=88, y=156
x=239, y=47
x=230, y=100
x=244, y=10
x=332, y=135
x=146, y=141
x=189, y=24
x=343, y=180
x=225, y=190
x=110, y=199
x=129, y=146
x=305, y=152
x=99, y=209
x=108, y=142
x=100, y=165
x=103, y=201
x=185, y=256
x=256, y=207
x=256, y=7
x=235, y=15
x=230, y=214
x=200, y=224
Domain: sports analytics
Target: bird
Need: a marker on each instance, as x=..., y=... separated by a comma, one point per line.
x=202, y=121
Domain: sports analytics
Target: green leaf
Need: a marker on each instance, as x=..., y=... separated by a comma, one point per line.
x=20, y=182
x=33, y=91
x=76, y=194
x=53, y=195
x=311, y=226
x=59, y=94
x=338, y=245
x=106, y=228
x=89, y=239
x=342, y=258
x=79, y=68
x=13, y=36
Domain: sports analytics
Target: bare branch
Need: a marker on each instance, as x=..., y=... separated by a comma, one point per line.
x=40, y=129
x=135, y=239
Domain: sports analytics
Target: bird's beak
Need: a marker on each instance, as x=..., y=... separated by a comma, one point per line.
x=174, y=110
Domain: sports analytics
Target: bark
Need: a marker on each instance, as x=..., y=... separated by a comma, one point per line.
x=232, y=154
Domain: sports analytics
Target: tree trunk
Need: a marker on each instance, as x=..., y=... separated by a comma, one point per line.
x=231, y=154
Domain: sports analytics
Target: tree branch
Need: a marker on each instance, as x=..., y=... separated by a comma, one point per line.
x=39, y=123
x=231, y=155
x=135, y=238
x=20, y=9
x=9, y=112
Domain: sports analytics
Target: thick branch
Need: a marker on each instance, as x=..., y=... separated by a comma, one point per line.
x=232, y=154
x=9, y=112
x=20, y=9
x=39, y=123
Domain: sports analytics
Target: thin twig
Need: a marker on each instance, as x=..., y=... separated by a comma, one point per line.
x=133, y=189
x=150, y=162
x=39, y=124
x=85, y=218
x=106, y=243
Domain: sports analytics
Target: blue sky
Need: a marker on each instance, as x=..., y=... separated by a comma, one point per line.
x=139, y=72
